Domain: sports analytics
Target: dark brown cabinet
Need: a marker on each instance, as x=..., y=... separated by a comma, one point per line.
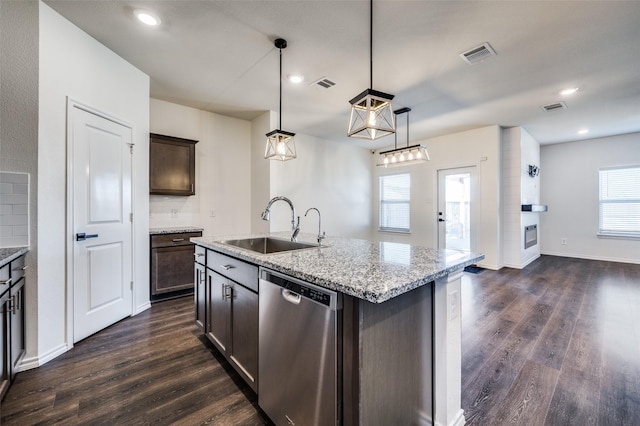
x=172, y=270
x=200, y=285
x=231, y=312
x=12, y=332
x=172, y=165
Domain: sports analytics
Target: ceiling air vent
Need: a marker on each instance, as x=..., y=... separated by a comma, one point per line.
x=325, y=83
x=555, y=106
x=478, y=54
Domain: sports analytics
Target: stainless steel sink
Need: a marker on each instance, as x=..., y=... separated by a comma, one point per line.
x=266, y=245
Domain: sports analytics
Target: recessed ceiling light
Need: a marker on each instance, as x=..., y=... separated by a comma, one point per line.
x=296, y=78
x=568, y=91
x=147, y=17
x=583, y=131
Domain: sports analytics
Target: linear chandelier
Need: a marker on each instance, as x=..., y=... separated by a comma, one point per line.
x=402, y=156
x=280, y=143
x=371, y=112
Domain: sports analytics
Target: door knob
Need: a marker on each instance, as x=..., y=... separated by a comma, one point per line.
x=81, y=236
x=441, y=220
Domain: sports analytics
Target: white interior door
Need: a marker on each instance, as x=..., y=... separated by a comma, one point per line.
x=101, y=205
x=456, y=210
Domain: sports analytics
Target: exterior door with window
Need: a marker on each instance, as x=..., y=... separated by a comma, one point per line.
x=456, y=192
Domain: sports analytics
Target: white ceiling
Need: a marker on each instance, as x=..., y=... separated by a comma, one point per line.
x=219, y=56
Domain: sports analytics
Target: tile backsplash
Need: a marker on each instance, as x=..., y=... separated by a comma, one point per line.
x=14, y=209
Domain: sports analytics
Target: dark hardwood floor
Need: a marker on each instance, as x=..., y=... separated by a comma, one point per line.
x=557, y=343
x=151, y=369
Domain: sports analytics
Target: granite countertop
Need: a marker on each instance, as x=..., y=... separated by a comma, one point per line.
x=11, y=253
x=174, y=230
x=373, y=271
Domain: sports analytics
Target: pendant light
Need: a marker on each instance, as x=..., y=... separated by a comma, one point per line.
x=401, y=156
x=280, y=143
x=371, y=112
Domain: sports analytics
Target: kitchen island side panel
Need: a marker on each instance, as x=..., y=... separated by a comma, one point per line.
x=388, y=377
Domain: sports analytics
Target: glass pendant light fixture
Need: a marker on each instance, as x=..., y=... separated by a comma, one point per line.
x=371, y=112
x=280, y=143
x=401, y=156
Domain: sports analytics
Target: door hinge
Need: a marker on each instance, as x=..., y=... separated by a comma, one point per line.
x=131, y=148
x=131, y=285
x=131, y=217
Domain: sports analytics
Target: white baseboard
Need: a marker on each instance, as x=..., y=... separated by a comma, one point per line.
x=522, y=265
x=35, y=362
x=588, y=257
x=458, y=419
x=142, y=308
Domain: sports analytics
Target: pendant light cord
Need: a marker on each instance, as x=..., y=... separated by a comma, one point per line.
x=370, y=44
x=280, y=112
x=408, y=128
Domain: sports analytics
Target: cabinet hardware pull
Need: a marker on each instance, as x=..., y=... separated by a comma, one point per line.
x=24, y=268
x=7, y=281
x=177, y=240
x=198, y=254
x=227, y=294
x=227, y=267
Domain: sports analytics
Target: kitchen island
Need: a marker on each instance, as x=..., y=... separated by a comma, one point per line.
x=398, y=328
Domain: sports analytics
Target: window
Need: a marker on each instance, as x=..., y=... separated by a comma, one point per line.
x=620, y=201
x=395, y=200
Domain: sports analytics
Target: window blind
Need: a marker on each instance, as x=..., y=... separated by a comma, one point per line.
x=395, y=203
x=620, y=201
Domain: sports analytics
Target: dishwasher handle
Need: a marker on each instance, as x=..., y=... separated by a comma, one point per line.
x=290, y=296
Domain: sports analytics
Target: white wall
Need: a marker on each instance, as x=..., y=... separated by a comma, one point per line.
x=332, y=177
x=479, y=148
x=19, y=127
x=260, y=170
x=222, y=202
x=73, y=64
x=569, y=182
x=234, y=178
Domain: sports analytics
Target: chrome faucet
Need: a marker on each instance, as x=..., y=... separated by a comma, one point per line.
x=295, y=228
x=321, y=234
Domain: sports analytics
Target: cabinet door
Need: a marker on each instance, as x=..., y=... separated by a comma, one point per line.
x=171, y=269
x=218, y=310
x=200, y=284
x=172, y=167
x=17, y=325
x=243, y=349
x=5, y=354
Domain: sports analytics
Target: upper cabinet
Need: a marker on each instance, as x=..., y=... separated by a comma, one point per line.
x=172, y=165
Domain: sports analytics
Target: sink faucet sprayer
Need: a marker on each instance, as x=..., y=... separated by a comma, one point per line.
x=295, y=228
x=321, y=234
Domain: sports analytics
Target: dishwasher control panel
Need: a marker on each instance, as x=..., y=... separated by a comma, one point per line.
x=312, y=292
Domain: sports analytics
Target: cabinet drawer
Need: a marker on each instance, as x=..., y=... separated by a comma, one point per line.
x=234, y=269
x=169, y=240
x=17, y=269
x=200, y=255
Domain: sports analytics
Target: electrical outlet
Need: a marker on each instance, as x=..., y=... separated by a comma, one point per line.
x=453, y=305
x=174, y=213
x=563, y=241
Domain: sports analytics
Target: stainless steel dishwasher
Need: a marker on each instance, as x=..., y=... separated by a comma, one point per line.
x=298, y=351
